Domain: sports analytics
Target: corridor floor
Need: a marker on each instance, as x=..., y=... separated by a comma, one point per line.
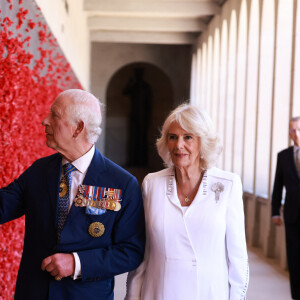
x=267, y=282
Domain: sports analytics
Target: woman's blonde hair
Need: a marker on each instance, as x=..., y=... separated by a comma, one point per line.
x=198, y=123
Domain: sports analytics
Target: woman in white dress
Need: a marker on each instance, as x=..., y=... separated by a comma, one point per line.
x=195, y=247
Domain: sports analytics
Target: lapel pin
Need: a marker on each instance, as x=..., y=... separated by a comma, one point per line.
x=217, y=188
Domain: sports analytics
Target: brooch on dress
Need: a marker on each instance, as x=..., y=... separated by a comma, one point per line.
x=217, y=188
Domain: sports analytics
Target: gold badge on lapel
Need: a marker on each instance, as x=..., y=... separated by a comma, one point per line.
x=96, y=229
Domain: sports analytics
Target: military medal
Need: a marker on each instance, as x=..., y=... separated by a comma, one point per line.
x=96, y=229
x=102, y=203
x=78, y=202
x=118, y=206
x=98, y=198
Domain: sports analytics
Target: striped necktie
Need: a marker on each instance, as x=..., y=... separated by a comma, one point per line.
x=64, y=194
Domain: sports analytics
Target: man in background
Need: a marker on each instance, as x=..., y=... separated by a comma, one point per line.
x=83, y=213
x=288, y=176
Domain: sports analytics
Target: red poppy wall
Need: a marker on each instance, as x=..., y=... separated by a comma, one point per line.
x=33, y=70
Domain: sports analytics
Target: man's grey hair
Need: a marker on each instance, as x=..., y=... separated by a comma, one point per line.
x=87, y=108
x=295, y=119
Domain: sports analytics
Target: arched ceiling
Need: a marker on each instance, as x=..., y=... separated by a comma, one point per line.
x=174, y=22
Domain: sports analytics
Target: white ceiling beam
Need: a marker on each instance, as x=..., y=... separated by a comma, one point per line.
x=146, y=24
x=153, y=8
x=143, y=37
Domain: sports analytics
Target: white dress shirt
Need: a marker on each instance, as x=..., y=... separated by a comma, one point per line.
x=77, y=176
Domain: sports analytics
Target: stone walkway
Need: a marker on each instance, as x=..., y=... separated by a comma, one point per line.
x=267, y=281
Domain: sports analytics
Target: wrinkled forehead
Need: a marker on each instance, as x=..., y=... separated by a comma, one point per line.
x=60, y=104
x=294, y=124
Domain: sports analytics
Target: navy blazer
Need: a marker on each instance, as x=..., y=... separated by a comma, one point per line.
x=286, y=176
x=120, y=249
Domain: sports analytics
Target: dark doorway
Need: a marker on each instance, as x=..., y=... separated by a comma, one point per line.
x=139, y=97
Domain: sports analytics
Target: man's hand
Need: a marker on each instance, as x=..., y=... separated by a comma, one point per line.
x=277, y=220
x=59, y=265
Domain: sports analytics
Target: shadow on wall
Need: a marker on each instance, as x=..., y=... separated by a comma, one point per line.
x=139, y=98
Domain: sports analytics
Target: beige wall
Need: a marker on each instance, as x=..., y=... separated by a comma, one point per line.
x=254, y=71
x=70, y=29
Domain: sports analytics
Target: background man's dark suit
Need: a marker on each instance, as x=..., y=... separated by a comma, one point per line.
x=286, y=176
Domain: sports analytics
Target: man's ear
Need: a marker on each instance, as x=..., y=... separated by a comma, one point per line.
x=79, y=129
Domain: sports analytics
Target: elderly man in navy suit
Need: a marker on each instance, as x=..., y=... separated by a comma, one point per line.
x=288, y=176
x=83, y=213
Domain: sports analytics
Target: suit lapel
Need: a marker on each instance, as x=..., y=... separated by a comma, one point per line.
x=93, y=176
x=171, y=189
x=53, y=177
x=95, y=170
x=292, y=162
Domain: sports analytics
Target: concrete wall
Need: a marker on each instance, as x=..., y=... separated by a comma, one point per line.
x=67, y=21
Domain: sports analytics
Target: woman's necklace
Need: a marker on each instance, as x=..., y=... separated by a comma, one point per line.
x=187, y=198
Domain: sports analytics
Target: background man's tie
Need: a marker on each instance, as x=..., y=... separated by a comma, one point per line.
x=64, y=195
x=298, y=161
